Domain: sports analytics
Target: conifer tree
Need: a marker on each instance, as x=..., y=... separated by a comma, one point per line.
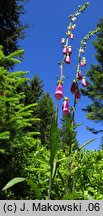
x=11, y=27
x=45, y=112
x=15, y=141
x=33, y=90
x=94, y=90
x=101, y=144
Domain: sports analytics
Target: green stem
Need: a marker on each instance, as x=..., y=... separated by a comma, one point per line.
x=61, y=68
x=57, y=109
x=78, y=68
x=50, y=184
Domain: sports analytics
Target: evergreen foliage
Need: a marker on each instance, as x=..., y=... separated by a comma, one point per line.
x=33, y=91
x=11, y=28
x=15, y=142
x=45, y=112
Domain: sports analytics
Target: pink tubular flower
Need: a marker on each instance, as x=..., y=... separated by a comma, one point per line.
x=65, y=50
x=83, y=63
x=74, y=86
x=69, y=49
x=84, y=82
x=65, y=106
x=67, y=60
x=59, y=91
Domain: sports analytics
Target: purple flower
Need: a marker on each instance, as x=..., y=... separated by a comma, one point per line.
x=79, y=75
x=59, y=91
x=84, y=82
x=74, y=86
x=65, y=50
x=67, y=60
x=65, y=106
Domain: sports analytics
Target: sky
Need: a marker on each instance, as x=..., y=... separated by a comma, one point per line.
x=42, y=46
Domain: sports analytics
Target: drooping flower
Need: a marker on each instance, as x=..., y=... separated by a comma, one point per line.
x=59, y=91
x=65, y=106
x=74, y=86
x=73, y=18
x=69, y=27
x=84, y=82
x=69, y=49
x=74, y=26
x=79, y=75
x=67, y=60
x=71, y=36
x=62, y=40
x=83, y=62
x=65, y=50
x=68, y=33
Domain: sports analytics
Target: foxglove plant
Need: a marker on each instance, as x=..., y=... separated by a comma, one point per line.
x=67, y=51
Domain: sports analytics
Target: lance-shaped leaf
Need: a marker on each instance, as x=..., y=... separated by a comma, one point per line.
x=54, y=141
x=13, y=182
x=86, y=143
x=17, y=180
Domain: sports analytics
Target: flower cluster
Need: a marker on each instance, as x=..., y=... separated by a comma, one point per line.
x=67, y=51
x=81, y=63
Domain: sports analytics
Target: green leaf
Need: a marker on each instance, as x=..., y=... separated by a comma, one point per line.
x=4, y=135
x=13, y=182
x=29, y=182
x=33, y=133
x=72, y=196
x=43, y=161
x=79, y=124
x=35, y=188
x=54, y=141
x=2, y=151
x=54, y=168
x=37, y=169
x=62, y=159
x=86, y=143
x=12, y=60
